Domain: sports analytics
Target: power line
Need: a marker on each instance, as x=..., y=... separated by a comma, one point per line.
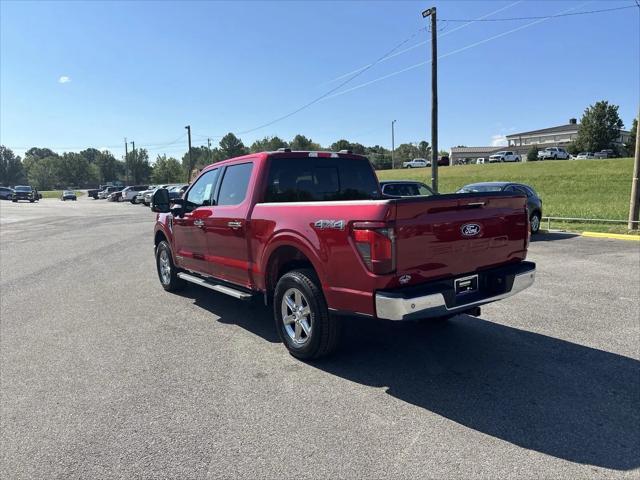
x=545, y=17
x=326, y=94
x=448, y=54
x=424, y=42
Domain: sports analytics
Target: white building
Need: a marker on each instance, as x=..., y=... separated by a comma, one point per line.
x=559, y=136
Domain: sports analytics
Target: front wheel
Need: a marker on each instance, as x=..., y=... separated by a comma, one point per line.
x=535, y=222
x=302, y=318
x=167, y=271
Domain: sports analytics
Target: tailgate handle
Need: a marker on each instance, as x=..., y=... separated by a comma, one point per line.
x=476, y=204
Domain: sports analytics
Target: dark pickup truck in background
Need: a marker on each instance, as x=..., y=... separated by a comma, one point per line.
x=312, y=234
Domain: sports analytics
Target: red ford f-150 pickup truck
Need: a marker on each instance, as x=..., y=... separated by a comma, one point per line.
x=312, y=233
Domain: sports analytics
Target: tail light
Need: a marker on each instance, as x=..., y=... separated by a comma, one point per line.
x=375, y=242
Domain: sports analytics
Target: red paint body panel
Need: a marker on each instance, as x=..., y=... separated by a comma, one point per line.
x=429, y=243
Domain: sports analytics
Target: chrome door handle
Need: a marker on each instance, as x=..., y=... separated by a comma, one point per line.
x=234, y=224
x=198, y=223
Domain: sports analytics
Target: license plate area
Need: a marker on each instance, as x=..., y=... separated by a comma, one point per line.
x=466, y=284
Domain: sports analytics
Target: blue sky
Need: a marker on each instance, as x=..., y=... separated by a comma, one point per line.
x=144, y=70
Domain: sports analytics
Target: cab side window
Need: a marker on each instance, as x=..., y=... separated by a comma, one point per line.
x=233, y=189
x=201, y=192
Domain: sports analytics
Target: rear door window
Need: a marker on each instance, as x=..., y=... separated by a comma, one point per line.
x=233, y=189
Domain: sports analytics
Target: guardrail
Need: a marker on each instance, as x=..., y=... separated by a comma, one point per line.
x=585, y=220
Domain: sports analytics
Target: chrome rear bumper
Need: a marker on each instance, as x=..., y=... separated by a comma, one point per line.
x=497, y=284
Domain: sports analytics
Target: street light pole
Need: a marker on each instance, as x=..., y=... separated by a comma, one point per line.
x=393, y=145
x=431, y=12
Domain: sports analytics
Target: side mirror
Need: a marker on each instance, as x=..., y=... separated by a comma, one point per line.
x=160, y=201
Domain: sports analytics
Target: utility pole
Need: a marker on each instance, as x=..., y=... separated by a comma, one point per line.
x=393, y=146
x=188, y=127
x=434, y=97
x=133, y=164
x=126, y=155
x=634, y=203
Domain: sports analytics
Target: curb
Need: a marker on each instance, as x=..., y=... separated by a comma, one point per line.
x=616, y=236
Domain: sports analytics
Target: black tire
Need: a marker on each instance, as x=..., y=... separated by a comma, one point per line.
x=324, y=328
x=133, y=201
x=534, y=222
x=14, y=201
x=31, y=201
x=170, y=282
x=555, y=157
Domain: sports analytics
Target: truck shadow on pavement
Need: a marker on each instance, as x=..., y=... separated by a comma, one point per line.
x=556, y=397
x=552, y=236
x=559, y=398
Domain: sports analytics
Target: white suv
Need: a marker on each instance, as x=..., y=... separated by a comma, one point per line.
x=504, y=156
x=129, y=193
x=416, y=163
x=553, y=153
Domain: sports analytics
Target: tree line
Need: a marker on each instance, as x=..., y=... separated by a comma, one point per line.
x=45, y=169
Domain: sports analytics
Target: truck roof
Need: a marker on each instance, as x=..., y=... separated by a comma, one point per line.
x=287, y=154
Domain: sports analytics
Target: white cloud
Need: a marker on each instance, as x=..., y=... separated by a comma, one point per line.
x=498, y=140
x=64, y=79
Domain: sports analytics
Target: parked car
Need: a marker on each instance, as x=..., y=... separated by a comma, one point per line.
x=139, y=198
x=149, y=194
x=311, y=233
x=553, y=153
x=68, y=195
x=405, y=188
x=93, y=192
x=504, y=156
x=129, y=193
x=24, y=192
x=107, y=191
x=443, y=161
x=585, y=156
x=177, y=191
x=607, y=153
x=480, y=161
x=114, y=196
x=416, y=163
x=534, y=202
x=6, y=193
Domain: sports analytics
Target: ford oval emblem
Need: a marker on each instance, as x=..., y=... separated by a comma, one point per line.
x=470, y=229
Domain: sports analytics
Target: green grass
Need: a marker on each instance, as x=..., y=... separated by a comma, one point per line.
x=568, y=188
x=57, y=193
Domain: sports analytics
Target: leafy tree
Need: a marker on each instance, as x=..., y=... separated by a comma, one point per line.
x=108, y=168
x=630, y=146
x=38, y=153
x=91, y=154
x=11, y=169
x=380, y=161
x=167, y=170
x=300, y=142
x=599, y=127
x=532, y=154
x=405, y=152
x=346, y=145
x=231, y=146
x=72, y=169
x=268, y=144
x=443, y=153
x=137, y=166
x=573, y=148
x=424, y=149
x=43, y=173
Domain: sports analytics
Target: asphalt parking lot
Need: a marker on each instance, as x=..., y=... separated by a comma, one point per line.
x=105, y=375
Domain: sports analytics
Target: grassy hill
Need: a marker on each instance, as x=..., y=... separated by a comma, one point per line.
x=569, y=188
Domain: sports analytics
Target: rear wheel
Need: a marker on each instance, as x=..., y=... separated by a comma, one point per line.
x=535, y=222
x=302, y=318
x=167, y=271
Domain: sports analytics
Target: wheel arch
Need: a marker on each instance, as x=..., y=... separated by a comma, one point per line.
x=284, y=258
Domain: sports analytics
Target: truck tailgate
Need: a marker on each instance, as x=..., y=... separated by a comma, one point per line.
x=450, y=235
